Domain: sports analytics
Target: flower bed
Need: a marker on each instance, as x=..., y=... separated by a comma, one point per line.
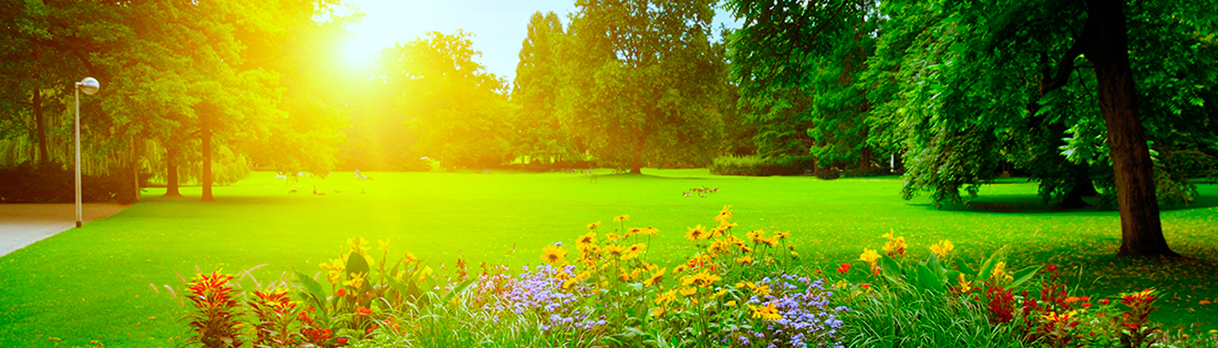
x=734, y=289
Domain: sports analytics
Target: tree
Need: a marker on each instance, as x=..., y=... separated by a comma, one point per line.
x=460, y=111
x=643, y=80
x=812, y=103
x=539, y=134
x=950, y=76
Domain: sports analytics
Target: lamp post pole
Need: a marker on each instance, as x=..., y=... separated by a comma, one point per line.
x=90, y=86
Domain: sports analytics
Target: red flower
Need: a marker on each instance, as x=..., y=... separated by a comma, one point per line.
x=341, y=292
x=845, y=267
x=363, y=311
x=1051, y=268
x=342, y=340
x=1104, y=301
x=866, y=286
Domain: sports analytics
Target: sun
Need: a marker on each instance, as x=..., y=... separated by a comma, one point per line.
x=359, y=51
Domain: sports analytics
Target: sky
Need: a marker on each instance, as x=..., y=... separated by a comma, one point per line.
x=499, y=26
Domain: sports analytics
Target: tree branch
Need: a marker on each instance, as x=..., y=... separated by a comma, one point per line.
x=1065, y=66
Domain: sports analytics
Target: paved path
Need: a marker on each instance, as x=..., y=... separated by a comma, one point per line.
x=24, y=224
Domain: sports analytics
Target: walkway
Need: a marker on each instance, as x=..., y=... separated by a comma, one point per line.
x=25, y=224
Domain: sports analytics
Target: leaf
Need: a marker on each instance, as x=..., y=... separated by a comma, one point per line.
x=988, y=266
x=963, y=266
x=889, y=267
x=357, y=265
x=313, y=293
x=1023, y=275
x=456, y=290
x=928, y=279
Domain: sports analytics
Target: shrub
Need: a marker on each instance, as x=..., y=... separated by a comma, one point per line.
x=860, y=173
x=760, y=166
x=54, y=183
x=828, y=174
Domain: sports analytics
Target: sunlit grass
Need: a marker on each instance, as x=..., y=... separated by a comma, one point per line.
x=94, y=283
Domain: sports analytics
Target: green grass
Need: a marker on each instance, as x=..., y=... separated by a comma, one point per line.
x=95, y=283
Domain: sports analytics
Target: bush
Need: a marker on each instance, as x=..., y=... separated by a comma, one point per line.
x=828, y=174
x=53, y=183
x=862, y=173
x=760, y=166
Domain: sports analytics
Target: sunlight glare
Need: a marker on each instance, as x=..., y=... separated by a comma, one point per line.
x=359, y=50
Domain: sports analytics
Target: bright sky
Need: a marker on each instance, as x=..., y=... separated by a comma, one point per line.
x=499, y=26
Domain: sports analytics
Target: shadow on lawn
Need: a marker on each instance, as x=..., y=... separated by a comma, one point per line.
x=1032, y=204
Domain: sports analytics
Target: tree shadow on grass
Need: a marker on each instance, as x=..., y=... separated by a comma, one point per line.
x=1033, y=204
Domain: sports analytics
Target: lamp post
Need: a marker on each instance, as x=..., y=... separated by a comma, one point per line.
x=89, y=85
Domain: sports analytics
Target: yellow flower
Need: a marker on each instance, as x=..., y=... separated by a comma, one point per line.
x=696, y=233
x=703, y=278
x=688, y=291
x=409, y=257
x=965, y=286
x=553, y=254
x=782, y=235
x=666, y=297
x=382, y=245
x=634, y=231
x=771, y=241
x=680, y=268
x=731, y=303
x=745, y=260
x=586, y=239
x=613, y=237
x=357, y=244
x=999, y=271
x=356, y=281
x=614, y=249
x=717, y=247
x=895, y=246
x=423, y=273
x=658, y=312
x=334, y=270
x=767, y=312
x=725, y=214
x=592, y=226
x=942, y=248
x=655, y=278
x=755, y=235
x=625, y=276
x=724, y=225
x=870, y=256
x=621, y=218
x=759, y=289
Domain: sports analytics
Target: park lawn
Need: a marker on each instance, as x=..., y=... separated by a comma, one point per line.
x=97, y=282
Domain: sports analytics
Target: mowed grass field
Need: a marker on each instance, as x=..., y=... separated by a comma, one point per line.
x=97, y=282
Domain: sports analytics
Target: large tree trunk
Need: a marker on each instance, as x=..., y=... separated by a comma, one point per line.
x=207, y=178
x=44, y=156
x=1107, y=49
x=636, y=166
x=135, y=170
x=171, y=171
x=865, y=158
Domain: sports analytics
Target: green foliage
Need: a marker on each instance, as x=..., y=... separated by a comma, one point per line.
x=760, y=166
x=460, y=111
x=644, y=83
x=539, y=132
